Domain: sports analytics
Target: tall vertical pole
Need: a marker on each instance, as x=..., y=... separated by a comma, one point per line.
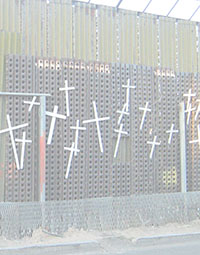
x=42, y=147
x=183, y=147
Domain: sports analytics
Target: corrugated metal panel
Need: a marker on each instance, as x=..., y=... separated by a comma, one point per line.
x=107, y=34
x=186, y=46
x=148, y=44
x=32, y=29
x=194, y=50
x=128, y=41
x=100, y=33
x=53, y=27
x=10, y=15
x=167, y=43
x=85, y=31
x=47, y=28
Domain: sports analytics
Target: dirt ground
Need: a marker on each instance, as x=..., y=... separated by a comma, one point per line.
x=73, y=235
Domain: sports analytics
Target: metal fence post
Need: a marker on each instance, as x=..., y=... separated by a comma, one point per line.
x=183, y=147
x=42, y=147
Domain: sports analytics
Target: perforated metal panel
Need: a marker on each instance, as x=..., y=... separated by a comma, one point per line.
x=21, y=185
x=96, y=174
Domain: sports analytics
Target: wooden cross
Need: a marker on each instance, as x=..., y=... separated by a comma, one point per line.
x=54, y=115
x=120, y=132
x=23, y=141
x=97, y=120
x=189, y=96
x=10, y=130
x=171, y=131
x=145, y=109
x=154, y=143
x=128, y=87
x=123, y=112
x=77, y=128
x=72, y=150
x=32, y=103
x=67, y=89
x=188, y=111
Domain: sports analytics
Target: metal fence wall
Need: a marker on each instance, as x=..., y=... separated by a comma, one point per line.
x=89, y=32
x=92, y=173
x=18, y=220
x=98, y=48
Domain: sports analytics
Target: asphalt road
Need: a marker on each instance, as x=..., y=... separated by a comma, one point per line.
x=185, y=247
x=188, y=248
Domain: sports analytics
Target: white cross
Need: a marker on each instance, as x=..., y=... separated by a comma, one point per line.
x=145, y=109
x=154, y=143
x=171, y=131
x=54, y=115
x=189, y=95
x=128, y=87
x=67, y=89
x=123, y=112
x=188, y=111
x=198, y=140
x=23, y=141
x=97, y=120
x=198, y=110
x=10, y=130
x=77, y=128
x=72, y=150
x=31, y=103
x=120, y=132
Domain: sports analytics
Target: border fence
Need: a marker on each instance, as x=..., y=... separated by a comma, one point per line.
x=18, y=220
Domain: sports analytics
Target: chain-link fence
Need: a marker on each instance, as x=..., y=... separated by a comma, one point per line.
x=56, y=217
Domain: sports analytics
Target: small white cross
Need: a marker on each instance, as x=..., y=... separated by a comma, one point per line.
x=154, y=143
x=198, y=140
x=97, y=120
x=72, y=150
x=77, y=128
x=67, y=89
x=10, y=130
x=198, y=110
x=189, y=96
x=120, y=132
x=123, y=112
x=128, y=87
x=31, y=103
x=171, y=131
x=54, y=115
x=188, y=111
x=23, y=141
x=145, y=109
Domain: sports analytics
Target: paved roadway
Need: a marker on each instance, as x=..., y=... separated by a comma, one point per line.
x=188, y=248
x=109, y=247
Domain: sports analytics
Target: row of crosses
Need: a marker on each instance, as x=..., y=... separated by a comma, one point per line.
x=124, y=111
x=189, y=110
x=74, y=147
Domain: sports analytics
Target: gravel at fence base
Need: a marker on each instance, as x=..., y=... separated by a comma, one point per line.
x=74, y=236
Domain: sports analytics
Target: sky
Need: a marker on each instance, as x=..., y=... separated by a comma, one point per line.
x=182, y=9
